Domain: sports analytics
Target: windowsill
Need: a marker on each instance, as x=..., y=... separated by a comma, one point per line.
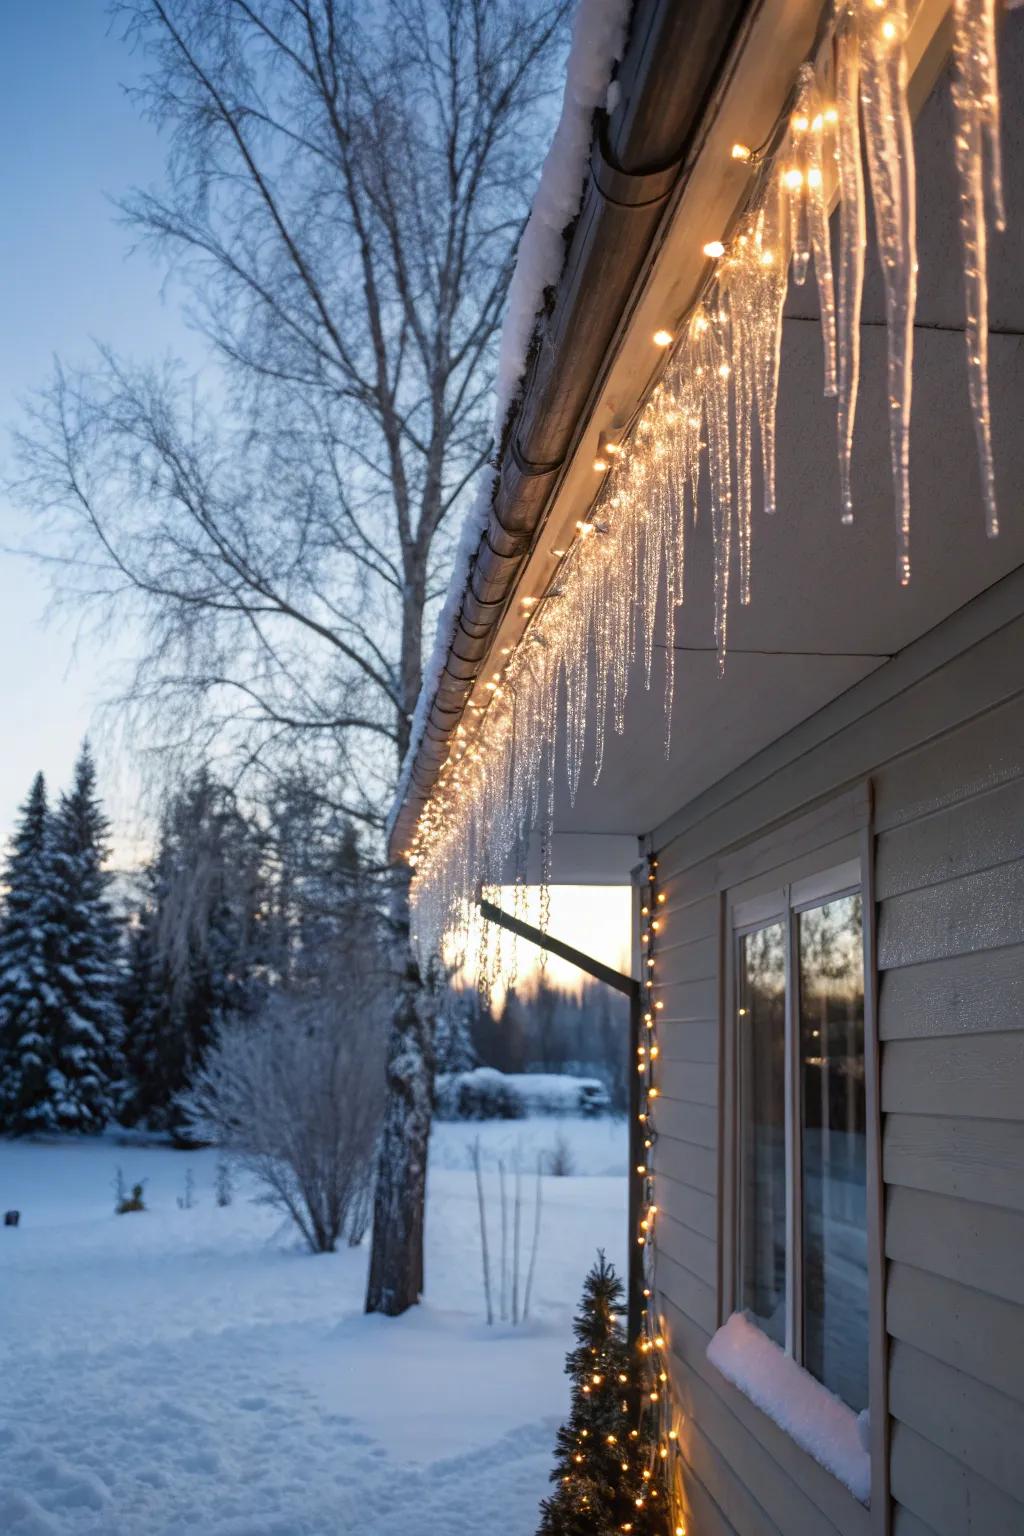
x=816, y=1420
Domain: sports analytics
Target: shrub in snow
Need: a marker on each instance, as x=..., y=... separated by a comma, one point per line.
x=558, y=1159
x=188, y=1199
x=295, y=1097
x=223, y=1188
x=125, y=1203
x=486, y=1094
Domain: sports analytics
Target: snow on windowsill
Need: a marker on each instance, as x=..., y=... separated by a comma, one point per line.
x=818, y=1421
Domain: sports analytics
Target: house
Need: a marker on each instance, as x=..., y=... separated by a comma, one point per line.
x=828, y=1163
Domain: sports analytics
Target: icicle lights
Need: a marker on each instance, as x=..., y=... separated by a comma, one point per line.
x=714, y=408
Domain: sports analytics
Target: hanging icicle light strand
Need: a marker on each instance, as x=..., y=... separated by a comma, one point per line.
x=719, y=392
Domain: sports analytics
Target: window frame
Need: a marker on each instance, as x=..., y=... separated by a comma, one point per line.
x=757, y=884
x=784, y=906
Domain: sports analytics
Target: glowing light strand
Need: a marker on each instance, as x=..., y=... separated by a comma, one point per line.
x=653, y=1343
x=572, y=671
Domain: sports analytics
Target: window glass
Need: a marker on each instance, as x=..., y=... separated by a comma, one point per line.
x=835, y=1266
x=761, y=1034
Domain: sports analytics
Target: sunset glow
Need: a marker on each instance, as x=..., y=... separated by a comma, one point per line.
x=593, y=918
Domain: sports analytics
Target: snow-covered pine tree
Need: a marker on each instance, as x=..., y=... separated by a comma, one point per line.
x=84, y=1064
x=195, y=947
x=607, y=1470
x=29, y=1011
x=453, y=1039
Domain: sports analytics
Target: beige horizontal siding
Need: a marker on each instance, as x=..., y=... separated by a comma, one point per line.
x=979, y=1426
x=975, y=1332
x=690, y=1206
x=958, y=840
x=980, y=1075
x=973, y=1244
x=945, y=1494
x=944, y=753
x=979, y=911
x=963, y=994
x=979, y=755
x=692, y=1040
x=681, y=1121
x=906, y=1523
x=950, y=881
x=708, y=1468
x=971, y=1159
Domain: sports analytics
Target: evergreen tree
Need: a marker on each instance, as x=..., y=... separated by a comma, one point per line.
x=453, y=1040
x=607, y=1469
x=86, y=976
x=196, y=947
x=29, y=1003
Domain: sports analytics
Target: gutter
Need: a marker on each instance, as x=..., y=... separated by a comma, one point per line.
x=675, y=54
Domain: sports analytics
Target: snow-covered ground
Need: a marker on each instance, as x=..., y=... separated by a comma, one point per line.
x=194, y=1371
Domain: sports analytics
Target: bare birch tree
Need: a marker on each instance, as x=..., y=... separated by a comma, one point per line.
x=345, y=189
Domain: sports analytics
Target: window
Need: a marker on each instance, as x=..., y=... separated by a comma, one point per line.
x=801, y=1126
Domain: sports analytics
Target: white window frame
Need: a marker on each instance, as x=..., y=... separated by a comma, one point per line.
x=749, y=900
x=784, y=906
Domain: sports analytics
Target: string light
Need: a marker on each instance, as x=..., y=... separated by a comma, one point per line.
x=714, y=249
x=663, y=338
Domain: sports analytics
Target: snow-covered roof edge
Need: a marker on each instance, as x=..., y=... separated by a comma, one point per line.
x=597, y=42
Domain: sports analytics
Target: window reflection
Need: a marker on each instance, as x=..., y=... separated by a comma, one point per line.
x=835, y=1270
x=762, y=1073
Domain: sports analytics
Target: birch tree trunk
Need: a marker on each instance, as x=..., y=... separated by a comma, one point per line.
x=396, y=1264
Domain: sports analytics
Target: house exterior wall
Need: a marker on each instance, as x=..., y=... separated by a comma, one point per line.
x=929, y=754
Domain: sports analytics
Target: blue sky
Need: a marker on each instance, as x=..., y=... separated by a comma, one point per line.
x=72, y=141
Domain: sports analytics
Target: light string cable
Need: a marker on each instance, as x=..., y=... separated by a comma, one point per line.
x=712, y=407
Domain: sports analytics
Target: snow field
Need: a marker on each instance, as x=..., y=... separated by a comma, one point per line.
x=196, y=1371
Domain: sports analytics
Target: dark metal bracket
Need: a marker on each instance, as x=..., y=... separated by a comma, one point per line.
x=630, y=988
x=592, y=967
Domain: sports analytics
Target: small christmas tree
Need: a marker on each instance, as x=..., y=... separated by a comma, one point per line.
x=607, y=1470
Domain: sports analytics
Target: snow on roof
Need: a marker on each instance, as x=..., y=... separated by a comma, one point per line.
x=597, y=41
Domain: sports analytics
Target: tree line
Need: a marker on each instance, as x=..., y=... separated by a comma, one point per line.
x=110, y=1001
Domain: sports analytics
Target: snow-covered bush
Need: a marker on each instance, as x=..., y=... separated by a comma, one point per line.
x=295, y=1099
x=482, y=1094
x=486, y=1094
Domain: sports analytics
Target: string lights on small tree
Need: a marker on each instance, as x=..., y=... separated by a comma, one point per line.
x=608, y=1471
